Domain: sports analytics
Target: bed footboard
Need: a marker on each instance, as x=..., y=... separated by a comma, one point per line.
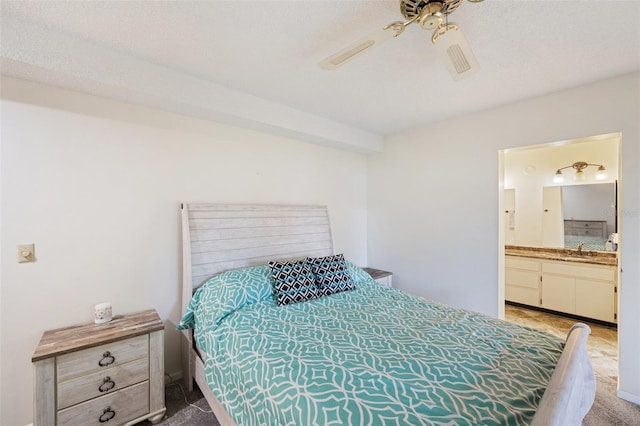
x=572, y=388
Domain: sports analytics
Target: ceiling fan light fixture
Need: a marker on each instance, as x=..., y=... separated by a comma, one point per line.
x=455, y=51
x=431, y=21
x=431, y=16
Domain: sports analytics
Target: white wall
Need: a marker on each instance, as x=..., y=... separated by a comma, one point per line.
x=96, y=185
x=433, y=199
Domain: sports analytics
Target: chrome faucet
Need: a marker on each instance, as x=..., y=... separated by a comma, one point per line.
x=580, y=248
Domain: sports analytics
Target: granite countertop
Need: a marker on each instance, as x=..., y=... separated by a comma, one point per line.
x=564, y=255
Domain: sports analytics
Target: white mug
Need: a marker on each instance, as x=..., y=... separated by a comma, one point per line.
x=102, y=313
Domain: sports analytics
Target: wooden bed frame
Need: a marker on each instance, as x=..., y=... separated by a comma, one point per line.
x=220, y=237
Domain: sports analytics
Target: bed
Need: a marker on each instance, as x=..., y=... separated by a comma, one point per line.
x=371, y=355
x=591, y=234
x=588, y=243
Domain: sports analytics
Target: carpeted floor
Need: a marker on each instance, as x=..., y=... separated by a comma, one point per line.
x=179, y=413
x=607, y=409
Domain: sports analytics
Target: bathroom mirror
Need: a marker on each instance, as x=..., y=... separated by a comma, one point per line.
x=579, y=215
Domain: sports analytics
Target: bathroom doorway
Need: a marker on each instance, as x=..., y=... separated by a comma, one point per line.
x=540, y=232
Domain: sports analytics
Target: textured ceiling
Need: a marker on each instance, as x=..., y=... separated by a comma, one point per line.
x=270, y=49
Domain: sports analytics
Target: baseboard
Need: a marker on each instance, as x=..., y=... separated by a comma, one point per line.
x=629, y=397
x=563, y=314
x=173, y=377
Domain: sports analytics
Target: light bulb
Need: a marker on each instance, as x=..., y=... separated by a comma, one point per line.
x=601, y=174
x=558, y=178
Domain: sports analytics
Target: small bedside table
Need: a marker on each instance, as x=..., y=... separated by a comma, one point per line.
x=91, y=374
x=383, y=277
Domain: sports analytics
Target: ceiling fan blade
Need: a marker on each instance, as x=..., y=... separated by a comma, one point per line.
x=363, y=45
x=455, y=51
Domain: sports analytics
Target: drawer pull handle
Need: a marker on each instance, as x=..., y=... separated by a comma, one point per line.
x=107, y=359
x=107, y=385
x=107, y=415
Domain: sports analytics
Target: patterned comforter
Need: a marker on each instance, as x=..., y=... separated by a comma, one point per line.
x=588, y=243
x=371, y=356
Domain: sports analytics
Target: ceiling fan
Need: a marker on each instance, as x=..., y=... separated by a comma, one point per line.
x=431, y=15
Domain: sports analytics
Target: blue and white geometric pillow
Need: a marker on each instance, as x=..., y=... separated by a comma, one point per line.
x=292, y=282
x=331, y=274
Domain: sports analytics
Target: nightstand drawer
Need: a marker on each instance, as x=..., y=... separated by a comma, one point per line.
x=100, y=383
x=586, y=232
x=587, y=224
x=116, y=408
x=101, y=357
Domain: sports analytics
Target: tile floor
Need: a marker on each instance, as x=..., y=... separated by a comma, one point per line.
x=602, y=343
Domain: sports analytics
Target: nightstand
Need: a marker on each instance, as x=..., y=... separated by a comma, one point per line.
x=91, y=374
x=383, y=277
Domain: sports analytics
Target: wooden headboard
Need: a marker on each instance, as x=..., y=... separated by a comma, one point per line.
x=219, y=237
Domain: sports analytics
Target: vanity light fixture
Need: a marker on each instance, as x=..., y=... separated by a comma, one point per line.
x=579, y=167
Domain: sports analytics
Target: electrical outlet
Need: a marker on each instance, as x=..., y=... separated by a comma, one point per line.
x=26, y=253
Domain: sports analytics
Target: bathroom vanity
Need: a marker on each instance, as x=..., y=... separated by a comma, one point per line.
x=582, y=283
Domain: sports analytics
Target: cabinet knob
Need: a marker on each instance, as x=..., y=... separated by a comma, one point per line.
x=107, y=415
x=107, y=385
x=107, y=359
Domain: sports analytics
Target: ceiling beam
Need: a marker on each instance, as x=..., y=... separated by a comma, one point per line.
x=46, y=56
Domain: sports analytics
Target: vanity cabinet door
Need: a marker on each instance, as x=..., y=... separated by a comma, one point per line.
x=522, y=281
x=522, y=287
x=579, y=289
x=558, y=293
x=595, y=299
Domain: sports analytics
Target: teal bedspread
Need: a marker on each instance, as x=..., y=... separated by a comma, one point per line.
x=588, y=243
x=372, y=356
